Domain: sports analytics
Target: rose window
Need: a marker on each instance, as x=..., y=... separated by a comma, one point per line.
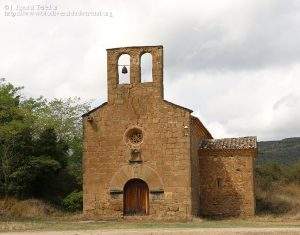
x=134, y=136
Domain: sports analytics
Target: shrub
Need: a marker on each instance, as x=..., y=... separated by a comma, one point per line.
x=277, y=188
x=293, y=173
x=269, y=174
x=30, y=208
x=272, y=205
x=73, y=202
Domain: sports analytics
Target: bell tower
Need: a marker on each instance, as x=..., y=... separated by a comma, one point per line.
x=116, y=90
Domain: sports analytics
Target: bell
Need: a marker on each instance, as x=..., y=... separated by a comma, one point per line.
x=124, y=70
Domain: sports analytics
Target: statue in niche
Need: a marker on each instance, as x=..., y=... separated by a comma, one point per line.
x=135, y=156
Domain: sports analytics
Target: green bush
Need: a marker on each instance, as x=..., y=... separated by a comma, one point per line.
x=268, y=174
x=293, y=173
x=73, y=202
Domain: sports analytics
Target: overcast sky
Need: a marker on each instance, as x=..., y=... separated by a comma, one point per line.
x=236, y=63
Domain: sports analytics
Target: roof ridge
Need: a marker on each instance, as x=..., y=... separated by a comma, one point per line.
x=93, y=110
x=247, y=142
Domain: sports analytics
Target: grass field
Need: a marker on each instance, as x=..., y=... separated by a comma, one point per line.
x=75, y=223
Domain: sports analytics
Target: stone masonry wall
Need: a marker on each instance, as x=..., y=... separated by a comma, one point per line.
x=165, y=149
x=197, y=134
x=226, y=182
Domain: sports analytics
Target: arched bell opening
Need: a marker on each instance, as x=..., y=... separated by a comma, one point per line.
x=136, y=197
x=124, y=69
x=146, y=68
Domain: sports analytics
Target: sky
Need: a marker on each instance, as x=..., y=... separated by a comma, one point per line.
x=236, y=63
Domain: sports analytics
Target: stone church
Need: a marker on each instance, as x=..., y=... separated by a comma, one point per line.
x=146, y=156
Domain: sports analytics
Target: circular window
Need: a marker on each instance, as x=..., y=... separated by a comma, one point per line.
x=134, y=136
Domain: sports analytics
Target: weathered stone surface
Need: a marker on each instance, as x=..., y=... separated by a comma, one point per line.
x=227, y=182
x=137, y=134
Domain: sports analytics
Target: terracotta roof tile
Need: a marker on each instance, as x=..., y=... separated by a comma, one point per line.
x=249, y=142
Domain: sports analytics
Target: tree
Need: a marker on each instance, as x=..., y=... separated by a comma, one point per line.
x=15, y=134
x=40, y=145
x=64, y=116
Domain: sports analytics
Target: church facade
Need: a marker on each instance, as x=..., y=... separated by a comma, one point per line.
x=146, y=156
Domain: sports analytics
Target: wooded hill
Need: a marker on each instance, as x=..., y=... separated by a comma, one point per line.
x=286, y=151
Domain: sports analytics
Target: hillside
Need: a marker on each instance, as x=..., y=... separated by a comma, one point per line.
x=286, y=151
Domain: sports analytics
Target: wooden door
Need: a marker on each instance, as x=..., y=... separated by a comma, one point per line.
x=136, y=197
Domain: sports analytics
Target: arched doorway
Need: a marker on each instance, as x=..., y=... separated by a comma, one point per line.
x=136, y=197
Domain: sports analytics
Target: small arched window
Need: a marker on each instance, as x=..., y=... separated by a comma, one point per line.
x=220, y=183
x=124, y=69
x=146, y=68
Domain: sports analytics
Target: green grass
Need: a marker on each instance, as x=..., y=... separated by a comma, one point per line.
x=59, y=224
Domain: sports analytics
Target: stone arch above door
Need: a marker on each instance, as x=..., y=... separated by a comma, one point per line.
x=141, y=171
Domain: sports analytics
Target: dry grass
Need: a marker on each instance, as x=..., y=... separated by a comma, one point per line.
x=34, y=215
x=67, y=223
x=31, y=208
x=291, y=194
x=281, y=200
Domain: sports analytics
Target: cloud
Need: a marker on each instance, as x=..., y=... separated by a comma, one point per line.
x=236, y=63
x=245, y=36
x=262, y=102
